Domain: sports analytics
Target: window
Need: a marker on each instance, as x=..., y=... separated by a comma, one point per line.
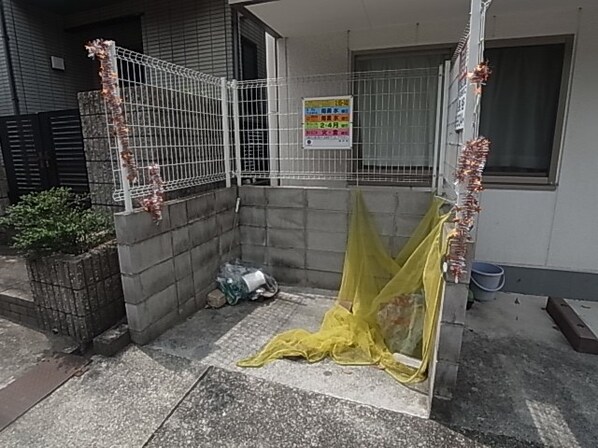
x=395, y=107
x=522, y=109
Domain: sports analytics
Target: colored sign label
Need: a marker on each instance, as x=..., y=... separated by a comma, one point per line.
x=328, y=122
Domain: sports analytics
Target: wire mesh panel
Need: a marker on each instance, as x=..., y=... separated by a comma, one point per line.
x=394, y=126
x=174, y=118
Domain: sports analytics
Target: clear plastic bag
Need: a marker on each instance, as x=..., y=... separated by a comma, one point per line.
x=241, y=281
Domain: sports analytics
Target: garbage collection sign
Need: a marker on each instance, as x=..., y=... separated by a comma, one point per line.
x=328, y=122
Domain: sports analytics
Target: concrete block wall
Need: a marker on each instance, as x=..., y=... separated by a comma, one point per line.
x=300, y=233
x=169, y=268
x=96, y=144
x=146, y=129
x=444, y=365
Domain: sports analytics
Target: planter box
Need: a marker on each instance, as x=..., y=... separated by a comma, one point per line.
x=79, y=296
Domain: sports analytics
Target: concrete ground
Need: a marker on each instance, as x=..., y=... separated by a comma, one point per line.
x=14, y=280
x=520, y=378
x=520, y=385
x=223, y=337
x=21, y=348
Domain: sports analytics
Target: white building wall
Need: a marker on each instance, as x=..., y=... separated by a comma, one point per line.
x=547, y=228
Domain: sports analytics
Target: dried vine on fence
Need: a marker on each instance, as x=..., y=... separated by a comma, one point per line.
x=468, y=177
x=100, y=50
x=153, y=202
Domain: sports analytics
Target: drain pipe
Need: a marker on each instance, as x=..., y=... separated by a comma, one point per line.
x=9, y=65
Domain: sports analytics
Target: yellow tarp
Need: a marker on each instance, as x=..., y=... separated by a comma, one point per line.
x=372, y=280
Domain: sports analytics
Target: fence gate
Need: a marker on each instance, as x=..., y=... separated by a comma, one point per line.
x=42, y=151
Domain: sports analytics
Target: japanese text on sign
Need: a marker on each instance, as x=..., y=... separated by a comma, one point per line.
x=327, y=122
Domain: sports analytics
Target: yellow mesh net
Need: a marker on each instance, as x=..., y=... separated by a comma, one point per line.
x=384, y=305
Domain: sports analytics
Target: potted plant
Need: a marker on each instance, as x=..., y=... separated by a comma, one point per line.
x=72, y=262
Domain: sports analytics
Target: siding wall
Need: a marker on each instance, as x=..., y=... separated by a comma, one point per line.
x=35, y=35
x=255, y=33
x=196, y=34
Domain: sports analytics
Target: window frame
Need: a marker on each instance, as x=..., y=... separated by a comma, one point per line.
x=550, y=180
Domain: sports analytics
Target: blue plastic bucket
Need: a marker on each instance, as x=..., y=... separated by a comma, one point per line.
x=486, y=280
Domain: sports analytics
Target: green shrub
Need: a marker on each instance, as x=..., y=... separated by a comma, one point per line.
x=56, y=221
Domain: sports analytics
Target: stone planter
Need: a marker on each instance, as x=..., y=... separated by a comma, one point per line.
x=79, y=296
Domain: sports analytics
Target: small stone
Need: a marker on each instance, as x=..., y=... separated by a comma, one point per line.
x=216, y=299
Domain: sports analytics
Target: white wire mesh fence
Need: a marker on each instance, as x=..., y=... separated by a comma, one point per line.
x=394, y=125
x=175, y=119
x=200, y=129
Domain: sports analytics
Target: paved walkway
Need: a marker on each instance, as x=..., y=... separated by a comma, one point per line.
x=520, y=385
x=14, y=280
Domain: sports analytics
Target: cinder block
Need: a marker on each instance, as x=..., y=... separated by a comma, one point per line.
x=328, y=241
x=381, y=201
x=323, y=280
x=445, y=379
x=385, y=223
x=286, y=238
x=285, y=197
x=203, y=230
x=180, y=240
x=251, y=196
x=286, y=218
x=177, y=211
x=252, y=216
x=253, y=254
x=185, y=290
x=228, y=241
x=144, y=314
x=287, y=276
x=204, y=254
x=289, y=258
x=328, y=199
x=132, y=290
x=397, y=243
x=201, y=206
x=325, y=261
x=157, y=278
x=140, y=256
x=225, y=199
x=405, y=225
x=449, y=342
x=454, y=303
x=148, y=334
x=206, y=276
x=112, y=341
x=327, y=221
x=255, y=236
x=188, y=308
x=182, y=265
x=138, y=226
x=227, y=220
x=413, y=202
x=201, y=296
x=216, y=299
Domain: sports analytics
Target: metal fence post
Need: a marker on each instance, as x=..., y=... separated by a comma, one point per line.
x=226, y=132
x=237, y=130
x=122, y=170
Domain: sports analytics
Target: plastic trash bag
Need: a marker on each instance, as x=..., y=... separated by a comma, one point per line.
x=241, y=281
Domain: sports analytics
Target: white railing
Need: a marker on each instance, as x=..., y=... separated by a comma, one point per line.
x=176, y=118
x=394, y=123
x=201, y=130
